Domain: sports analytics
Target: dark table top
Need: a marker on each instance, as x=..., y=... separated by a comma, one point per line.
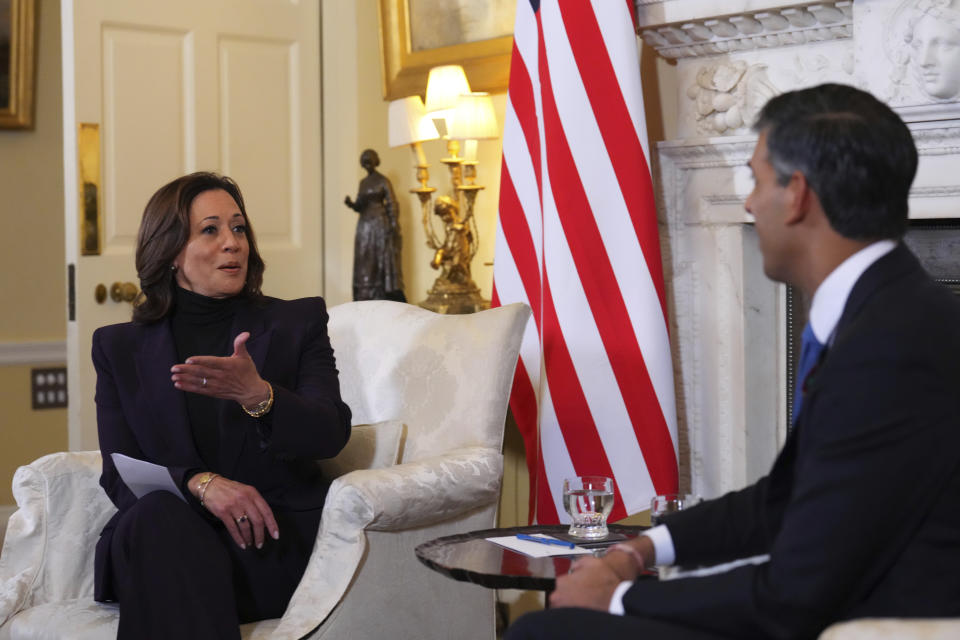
x=469, y=557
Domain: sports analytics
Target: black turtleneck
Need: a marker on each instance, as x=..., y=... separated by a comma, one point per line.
x=201, y=327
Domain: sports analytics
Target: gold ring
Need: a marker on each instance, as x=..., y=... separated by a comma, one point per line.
x=242, y=518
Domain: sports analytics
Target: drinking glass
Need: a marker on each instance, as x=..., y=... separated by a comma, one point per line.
x=588, y=500
x=667, y=503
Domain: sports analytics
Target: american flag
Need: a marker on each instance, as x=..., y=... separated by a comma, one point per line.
x=577, y=240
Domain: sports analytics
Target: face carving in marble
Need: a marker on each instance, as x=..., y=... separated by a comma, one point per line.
x=933, y=36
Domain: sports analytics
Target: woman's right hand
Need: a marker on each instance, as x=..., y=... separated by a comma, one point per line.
x=240, y=507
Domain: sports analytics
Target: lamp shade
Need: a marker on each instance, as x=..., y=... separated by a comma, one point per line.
x=444, y=84
x=473, y=118
x=408, y=122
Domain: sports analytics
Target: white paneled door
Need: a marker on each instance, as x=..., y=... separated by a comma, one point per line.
x=177, y=86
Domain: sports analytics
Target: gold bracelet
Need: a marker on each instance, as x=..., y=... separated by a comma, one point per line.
x=204, y=483
x=263, y=408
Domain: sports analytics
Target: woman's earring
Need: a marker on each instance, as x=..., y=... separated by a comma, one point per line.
x=173, y=268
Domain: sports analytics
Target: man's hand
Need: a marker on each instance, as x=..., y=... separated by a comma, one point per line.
x=592, y=581
x=590, y=585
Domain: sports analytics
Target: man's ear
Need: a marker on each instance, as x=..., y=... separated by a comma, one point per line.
x=799, y=197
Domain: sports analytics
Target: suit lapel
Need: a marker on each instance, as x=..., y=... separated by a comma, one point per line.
x=250, y=318
x=232, y=418
x=893, y=265
x=153, y=360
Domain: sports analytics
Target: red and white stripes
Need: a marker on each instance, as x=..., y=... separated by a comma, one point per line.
x=577, y=240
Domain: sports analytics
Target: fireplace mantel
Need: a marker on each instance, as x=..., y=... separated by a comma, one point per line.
x=728, y=320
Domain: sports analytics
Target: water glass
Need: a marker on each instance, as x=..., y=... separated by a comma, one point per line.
x=588, y=500
x=667, y=503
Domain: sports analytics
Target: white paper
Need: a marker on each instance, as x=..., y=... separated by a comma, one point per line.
x=142, y=477
x=536, y=549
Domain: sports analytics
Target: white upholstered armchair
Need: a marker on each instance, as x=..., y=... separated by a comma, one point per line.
x=433, y=390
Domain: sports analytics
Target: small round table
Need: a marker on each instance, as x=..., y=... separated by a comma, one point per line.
x=469, y=557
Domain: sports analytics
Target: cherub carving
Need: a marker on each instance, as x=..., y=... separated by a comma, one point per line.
x=728, y=95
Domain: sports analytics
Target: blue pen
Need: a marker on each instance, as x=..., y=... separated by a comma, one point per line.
x=559, y=543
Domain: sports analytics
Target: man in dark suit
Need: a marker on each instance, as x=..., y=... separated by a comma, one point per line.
x=859, y=513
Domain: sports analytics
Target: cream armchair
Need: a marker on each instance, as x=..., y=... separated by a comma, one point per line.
x=898, y=628
x=432, y=391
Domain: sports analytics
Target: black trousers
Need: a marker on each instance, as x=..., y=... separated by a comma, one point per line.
x=179, y=575
x=576, y=624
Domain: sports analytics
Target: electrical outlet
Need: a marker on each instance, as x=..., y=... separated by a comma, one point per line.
x=48, y=388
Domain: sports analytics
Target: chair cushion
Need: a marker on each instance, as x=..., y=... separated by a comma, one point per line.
x=371, y=446
x=444, y=376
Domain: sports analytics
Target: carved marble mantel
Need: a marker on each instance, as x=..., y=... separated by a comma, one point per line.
x=727, y=319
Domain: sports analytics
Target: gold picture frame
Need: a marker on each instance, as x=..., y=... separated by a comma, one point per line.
x=486, y=62
x=19, y=52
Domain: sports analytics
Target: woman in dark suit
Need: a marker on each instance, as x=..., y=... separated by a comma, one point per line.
x=237, y=395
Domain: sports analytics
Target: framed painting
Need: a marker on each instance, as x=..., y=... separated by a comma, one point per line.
x=17, y=60
x=416, y=35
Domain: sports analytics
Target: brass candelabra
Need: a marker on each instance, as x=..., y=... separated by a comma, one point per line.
x=454, y=290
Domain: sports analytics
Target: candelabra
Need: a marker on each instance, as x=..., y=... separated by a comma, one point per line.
x=463, y=116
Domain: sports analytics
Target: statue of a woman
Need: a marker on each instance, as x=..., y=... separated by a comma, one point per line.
x=376, y=248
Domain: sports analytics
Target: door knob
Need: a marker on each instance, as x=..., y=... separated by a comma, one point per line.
x=123, y=291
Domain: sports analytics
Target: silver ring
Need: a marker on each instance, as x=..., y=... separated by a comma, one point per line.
x=204, y=383
x=242, y=518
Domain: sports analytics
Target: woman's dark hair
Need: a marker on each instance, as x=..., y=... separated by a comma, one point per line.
x=856, y=153
x=164, y=231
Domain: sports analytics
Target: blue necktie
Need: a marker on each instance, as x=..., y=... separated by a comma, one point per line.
x=809, y=356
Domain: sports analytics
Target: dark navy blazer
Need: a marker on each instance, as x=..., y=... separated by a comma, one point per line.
x=141, y=414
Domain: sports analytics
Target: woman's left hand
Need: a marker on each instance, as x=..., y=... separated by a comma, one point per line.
x=234, y=377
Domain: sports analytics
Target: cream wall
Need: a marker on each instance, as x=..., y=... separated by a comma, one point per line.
x=32, y=270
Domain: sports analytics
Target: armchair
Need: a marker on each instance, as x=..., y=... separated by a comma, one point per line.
x=900, y=628
x=433, y=391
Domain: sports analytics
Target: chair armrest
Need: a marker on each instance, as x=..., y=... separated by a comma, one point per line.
x=420, y=493
x=902, y=628
x=405, y=496
x=48, y=550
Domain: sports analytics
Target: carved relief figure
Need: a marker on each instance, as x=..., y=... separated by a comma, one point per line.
x=728, y=95
x=376, y=247
x=925, y=40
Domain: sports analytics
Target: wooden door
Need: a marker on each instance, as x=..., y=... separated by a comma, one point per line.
x=178, y=86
